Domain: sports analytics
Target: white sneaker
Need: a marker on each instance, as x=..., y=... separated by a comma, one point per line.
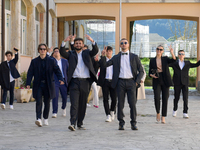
x=3, y=106
x=108, y=118
x=64, y=112
x=185, y=115
x=174, y=113
x=11, y=107
x=38, y=122
x=112, y=113
x=88, y=105
x=45, y=122
x=54, y=115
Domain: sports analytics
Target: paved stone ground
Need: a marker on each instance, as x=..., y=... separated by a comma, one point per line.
x=18, y=131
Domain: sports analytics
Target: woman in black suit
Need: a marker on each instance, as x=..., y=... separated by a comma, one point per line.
x=159, y=71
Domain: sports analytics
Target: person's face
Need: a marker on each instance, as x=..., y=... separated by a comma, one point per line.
x=159, y=50
x=181, y=55
x=8, y=57
x=42, y=50
x=78, y=45
x=109, y=53
x=84, y=48
x=56, y=53
x=124, y=44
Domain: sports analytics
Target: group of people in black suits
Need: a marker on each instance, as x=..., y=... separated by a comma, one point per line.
x=159, y=71
x=119, y=75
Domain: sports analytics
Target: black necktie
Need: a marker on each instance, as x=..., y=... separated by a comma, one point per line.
x=124, y=53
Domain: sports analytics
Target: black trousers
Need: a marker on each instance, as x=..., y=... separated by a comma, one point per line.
x=107, y=89
x=126, y=86
x=79, y=91
x=161, y=87
x=11, y=90
x=177, y=91
x=42, y=92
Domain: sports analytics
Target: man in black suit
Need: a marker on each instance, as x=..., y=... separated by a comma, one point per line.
x=104, y=80
x=181, y=81
x=42, y=69
x=8, y=74
x=80, y=75
x=127, y=74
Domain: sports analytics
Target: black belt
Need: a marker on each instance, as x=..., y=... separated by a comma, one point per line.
x=126, y=79
x=81, y=79
x=109, y=80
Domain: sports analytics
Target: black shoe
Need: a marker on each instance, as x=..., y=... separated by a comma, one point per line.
x=72, y=128
x=134, y=127
x=121, y=127
x=81, y=128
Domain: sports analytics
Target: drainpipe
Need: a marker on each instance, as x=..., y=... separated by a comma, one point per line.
x=47, y=22
x=73, y=28
x=2, y=37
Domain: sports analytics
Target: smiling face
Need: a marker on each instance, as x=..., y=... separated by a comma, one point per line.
x=159, y=51
x=78, y=45
x=124, y=45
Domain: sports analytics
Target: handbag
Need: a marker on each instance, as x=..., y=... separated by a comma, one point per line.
x=155, y=71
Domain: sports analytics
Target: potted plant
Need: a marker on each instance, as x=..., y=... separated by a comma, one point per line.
x=22, y=94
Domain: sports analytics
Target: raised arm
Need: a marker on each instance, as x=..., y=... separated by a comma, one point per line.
x=192, y=65
x=15, y=60
x=63, y=53
x=95, y=48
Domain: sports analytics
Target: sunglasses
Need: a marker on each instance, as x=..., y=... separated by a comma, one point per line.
x=124, y=43
x=181, y=54
x=42, y=49
x=159, y=49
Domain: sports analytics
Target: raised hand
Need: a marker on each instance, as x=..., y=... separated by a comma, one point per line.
x=96, y=58
x=73, y=37
x=89, y=38
x=50, y=49
x=171, y=49
x=103, y=53
x=67, y=38
x=15, y=49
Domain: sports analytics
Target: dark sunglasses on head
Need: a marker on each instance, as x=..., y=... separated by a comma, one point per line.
x=159, y=49
x=42, y=49
x=181, y=54
x=124, y=43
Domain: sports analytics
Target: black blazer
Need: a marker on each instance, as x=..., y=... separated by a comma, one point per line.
x=5, y=72
x=102, y=76
x=34, y=71
x=136, y=67
x=87, y=59
x=181, y=77
x=165, y=68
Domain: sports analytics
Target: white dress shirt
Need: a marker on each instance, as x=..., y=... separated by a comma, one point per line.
x=81, y=70
x=11, y=77
x=59, y=62
x=109, y=71
x=125, y=67
x=181, y=64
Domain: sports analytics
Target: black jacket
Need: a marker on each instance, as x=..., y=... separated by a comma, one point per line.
x=165, y=68
x=136, y=67
x=181, y=77
x=87, y=59
x=34, y=71
x=5, y=72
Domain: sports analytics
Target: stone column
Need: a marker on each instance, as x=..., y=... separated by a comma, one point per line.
x=60, y=31
x=30, y=31
x=16, y=28
x=54, y=32
x=42, y=28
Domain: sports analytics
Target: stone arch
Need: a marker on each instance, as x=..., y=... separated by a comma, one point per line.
x=52, y=12
x=40, y=8
x=28, y=3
